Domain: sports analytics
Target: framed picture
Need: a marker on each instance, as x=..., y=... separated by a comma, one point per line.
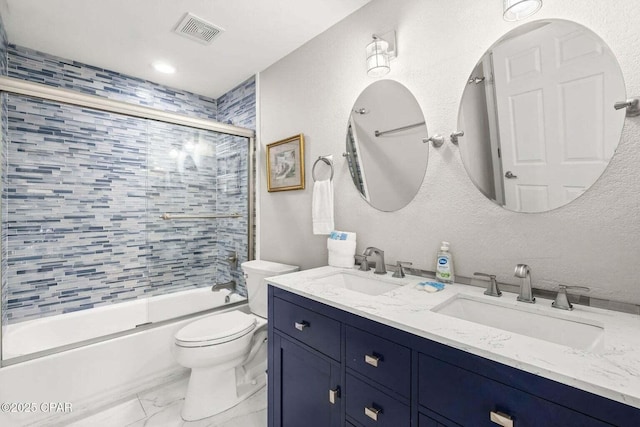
x=285, y=164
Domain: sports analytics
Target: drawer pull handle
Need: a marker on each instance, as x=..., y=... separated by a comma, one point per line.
x=301, y=325
x=501, y=419
x=333, y=395
x=372, y=359
x=372, y=412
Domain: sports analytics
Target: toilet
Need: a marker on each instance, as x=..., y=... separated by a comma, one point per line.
x=227, y=352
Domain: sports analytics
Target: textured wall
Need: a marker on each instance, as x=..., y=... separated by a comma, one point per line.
x=594, y=241
x=84, y=191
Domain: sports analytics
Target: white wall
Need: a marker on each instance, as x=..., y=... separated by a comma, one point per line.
x=594, y=241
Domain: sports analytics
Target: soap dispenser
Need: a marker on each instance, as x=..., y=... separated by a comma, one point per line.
x=444, y=264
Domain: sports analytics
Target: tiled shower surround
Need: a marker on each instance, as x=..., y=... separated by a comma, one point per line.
x=84, y=190
x=3, y=162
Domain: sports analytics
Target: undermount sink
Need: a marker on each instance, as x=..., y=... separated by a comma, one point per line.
x=565, y=330
x=369, y=283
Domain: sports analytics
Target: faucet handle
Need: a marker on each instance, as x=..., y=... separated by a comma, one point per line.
x=562, y=301
x=364, y=263
x=522, y=270
x=399, y=271
x=492, y=287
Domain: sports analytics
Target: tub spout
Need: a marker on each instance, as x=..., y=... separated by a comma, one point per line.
x=230, y=285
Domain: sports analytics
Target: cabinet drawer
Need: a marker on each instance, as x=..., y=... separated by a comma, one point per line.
x=425, y=421
x=317, y=331
x=468, y=399
x=364, y=401
x=381, y=360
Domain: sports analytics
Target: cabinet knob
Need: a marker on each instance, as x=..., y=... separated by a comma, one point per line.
x=501, y=419
x=334, y=394
x=372, y=412
x=301, y=325
x=372, y=359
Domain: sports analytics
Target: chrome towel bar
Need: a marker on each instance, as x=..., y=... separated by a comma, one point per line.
x=378, y=133
x=167, y=216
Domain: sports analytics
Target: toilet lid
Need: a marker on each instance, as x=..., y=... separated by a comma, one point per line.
x=217, y=328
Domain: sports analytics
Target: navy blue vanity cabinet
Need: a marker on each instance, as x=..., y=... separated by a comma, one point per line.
x=470, y=399
x=304, y=370
x=378, y=381
x=462, y=388
x=329, y=367
x=380, y=360
x=306, y=380
x=427, y=421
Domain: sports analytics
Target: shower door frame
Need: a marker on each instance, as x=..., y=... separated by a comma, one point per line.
x=14, y=86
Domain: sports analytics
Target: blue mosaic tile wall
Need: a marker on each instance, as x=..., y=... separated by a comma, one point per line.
x=83, y=192
x=3, y=162
x=237, y=107
x=31, y=65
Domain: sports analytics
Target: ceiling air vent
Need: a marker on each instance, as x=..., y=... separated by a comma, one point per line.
x=197, y=29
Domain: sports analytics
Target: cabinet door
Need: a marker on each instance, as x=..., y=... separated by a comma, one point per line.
x=304, y=383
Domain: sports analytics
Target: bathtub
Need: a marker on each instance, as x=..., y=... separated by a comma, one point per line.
x=91, y=371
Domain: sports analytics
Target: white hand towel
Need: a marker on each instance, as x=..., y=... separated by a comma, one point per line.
x=322, y=207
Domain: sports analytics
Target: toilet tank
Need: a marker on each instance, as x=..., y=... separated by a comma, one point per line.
x=254, y=273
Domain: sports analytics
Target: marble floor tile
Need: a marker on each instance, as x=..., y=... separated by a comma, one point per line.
x=119, y=415
x=157, y=399
x=161, y=406
x=169, y=416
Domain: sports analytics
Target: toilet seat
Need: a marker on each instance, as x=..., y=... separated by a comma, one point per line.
x=215, y=329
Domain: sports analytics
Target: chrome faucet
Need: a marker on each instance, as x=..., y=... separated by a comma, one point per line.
x=524, y=272
x=380, y=267
x=562, y=301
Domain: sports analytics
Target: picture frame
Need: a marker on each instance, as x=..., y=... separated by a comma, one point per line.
x=285, y=164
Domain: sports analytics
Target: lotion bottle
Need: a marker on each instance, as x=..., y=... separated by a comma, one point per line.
x=444, y=264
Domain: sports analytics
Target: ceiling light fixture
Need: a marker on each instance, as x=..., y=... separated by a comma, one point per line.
x=379, y=52
x=515, y=10
x=163, y=67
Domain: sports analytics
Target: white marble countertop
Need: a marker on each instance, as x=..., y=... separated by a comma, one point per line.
x=612, y=372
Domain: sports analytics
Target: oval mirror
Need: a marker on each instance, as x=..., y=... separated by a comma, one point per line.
x=538, y=118
x=386, y=156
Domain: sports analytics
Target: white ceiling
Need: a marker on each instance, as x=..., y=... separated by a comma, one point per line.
x=128, y=35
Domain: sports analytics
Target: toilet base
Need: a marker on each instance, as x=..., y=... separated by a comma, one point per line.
x=211, y=392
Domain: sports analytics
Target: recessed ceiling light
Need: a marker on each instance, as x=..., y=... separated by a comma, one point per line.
x=163, y=67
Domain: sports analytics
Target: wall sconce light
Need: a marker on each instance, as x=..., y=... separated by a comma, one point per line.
x=379, y=52
x=515, y=10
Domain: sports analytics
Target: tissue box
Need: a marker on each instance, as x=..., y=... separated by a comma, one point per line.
x=341, y=253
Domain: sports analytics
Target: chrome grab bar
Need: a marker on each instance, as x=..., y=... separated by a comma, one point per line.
x=167, y=216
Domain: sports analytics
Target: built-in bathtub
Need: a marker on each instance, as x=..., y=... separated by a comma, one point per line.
x=87, y=370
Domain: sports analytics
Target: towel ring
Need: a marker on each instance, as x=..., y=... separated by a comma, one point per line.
x=325, y=160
